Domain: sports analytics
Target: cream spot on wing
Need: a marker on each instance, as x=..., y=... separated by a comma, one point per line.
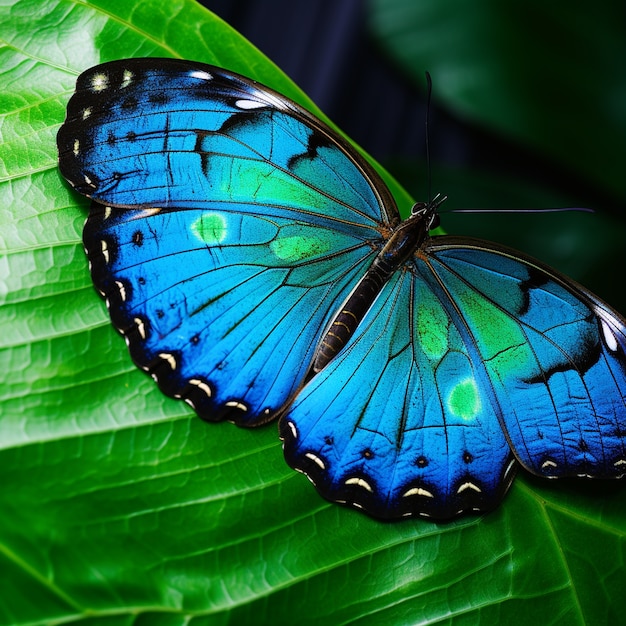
x=236, y=405
x=360, y=482
x=468, y=485
x=201, y=385
x=99, y=82
x=141, y=328
x=105, y=250
x=127, y=79
x=418, y=491
x=169, y=359
x=548, y=465
x=121, y=290
x=315, y=459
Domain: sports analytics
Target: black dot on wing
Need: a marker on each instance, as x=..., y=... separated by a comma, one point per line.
x=137, y=238
x=467, y=457
x=421, y=461
x=158, y=97
x=130, y=103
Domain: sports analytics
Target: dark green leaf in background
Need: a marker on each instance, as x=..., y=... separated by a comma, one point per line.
x=119, y=506
x=551, y=75
x=549, y=78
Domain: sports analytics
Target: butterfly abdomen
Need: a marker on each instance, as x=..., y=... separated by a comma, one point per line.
x=398, y=249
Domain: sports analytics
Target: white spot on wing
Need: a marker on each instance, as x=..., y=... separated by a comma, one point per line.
x=249, y=104
x=99, y=82
x=609, y=337
x=293, y=429
x=200, y=75
x=76, y=149
x=510, y=467
x=86, y=112
x=127, y=79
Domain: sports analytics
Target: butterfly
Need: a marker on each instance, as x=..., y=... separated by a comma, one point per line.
x=258, y=268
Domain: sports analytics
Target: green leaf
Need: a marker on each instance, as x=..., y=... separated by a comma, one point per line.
x=549, y=75
x=119, y=506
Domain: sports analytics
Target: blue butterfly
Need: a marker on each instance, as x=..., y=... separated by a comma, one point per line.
x=258, y=268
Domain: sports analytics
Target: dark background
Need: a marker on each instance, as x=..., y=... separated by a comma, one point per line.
x=326, y=47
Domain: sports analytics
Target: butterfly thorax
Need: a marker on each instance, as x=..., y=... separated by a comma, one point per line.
x=397, y=250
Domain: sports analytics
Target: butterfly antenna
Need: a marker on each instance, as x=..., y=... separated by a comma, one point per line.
x=545, y=210
x=429, y=91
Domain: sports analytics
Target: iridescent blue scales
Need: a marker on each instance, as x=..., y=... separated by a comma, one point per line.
x=258, y=268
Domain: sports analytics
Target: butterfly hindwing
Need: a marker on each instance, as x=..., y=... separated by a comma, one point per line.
x=229, y=225
x=470, y=357
x=554, y=353
x=396, y=424
x=208, y=318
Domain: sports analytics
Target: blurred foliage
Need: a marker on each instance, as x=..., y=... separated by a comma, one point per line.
x=548, y=82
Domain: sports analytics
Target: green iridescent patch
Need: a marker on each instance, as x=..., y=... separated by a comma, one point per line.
x=464, y=399
x=211, y=228
x=298, y=248
x=432, y=329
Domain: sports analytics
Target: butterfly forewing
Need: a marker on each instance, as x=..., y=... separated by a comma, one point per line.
x=230, y=226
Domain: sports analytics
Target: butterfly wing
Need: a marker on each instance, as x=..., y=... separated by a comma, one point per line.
x=555, y=355
x=471, y=357
x=229, y=224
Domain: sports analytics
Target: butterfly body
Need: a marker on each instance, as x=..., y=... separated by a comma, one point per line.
x=257, y=267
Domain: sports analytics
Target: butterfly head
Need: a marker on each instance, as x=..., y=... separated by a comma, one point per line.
x=429, y=211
